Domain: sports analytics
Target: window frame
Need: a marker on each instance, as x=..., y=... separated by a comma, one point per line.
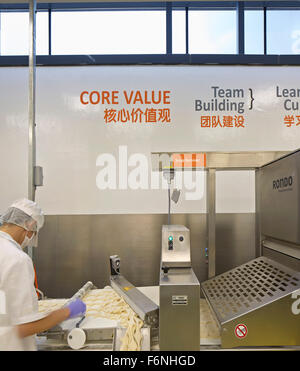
x=168, y=58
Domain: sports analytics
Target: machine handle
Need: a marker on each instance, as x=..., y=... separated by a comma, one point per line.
x=115, y=264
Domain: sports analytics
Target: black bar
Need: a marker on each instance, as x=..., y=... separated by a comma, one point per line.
x=50, y=31
x=187, y=30
x=148, y=59
x=207, y=5
x=169, y=27
x=265, y=31
x=240, y=27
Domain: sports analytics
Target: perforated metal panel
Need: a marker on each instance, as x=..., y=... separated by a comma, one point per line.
x=248, y=287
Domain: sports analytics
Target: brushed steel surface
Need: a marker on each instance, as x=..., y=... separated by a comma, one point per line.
x=211, y=221
x=144, y=307
x=180, y=254
x=74, y=249
x=235, y=240
x=283, y=248
x=282, y=258
x=273, y=324
x=179, y=276
x=280, y=199
x=258, y=236
x=249, y=287
x=240, y=160
x=222, y=160
x=280, y=157
x=179, y=324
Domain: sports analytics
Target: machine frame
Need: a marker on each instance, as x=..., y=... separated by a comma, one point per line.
x=253, y=303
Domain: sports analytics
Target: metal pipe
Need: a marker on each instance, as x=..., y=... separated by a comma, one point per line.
x=31, y=102
x=31, y=105
x=169, y=205
x=211, y=221
x=81, y=292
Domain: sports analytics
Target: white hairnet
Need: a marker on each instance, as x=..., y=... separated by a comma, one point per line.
x=25, y=214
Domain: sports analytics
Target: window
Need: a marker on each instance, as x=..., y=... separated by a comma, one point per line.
x=15, y=33
x=254, y=32
x=178, y=32
x=109, y=32
x=283, y=32
x=212, y=32
x=141, y=32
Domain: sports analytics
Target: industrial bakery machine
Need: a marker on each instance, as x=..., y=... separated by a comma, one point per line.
x=257, y=303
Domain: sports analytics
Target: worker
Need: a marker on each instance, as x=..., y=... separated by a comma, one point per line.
x=20, y=226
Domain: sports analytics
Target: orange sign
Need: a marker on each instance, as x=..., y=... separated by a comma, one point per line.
x=189, y=160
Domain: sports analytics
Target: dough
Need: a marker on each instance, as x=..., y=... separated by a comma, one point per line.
x=106, y=303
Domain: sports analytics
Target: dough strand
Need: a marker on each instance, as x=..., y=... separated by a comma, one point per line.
x=106, y=303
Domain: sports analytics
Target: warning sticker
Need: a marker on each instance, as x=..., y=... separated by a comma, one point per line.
x=240, y=331
x=127, y=288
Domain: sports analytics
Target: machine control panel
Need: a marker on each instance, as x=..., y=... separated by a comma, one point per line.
x=170, y=242
x=175, y=246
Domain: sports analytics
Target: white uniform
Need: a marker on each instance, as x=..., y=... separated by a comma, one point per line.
x=17, y=282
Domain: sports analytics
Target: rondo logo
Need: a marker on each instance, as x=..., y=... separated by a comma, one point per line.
x=283, y=183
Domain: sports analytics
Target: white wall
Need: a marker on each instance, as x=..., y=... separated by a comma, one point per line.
x=13, y=135
x=70, y=136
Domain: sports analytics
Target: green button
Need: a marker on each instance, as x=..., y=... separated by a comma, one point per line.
x=170, y=238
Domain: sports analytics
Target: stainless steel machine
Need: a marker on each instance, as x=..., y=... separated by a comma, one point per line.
x=80, y=332
x=255, y=304
x=179, y=298
x=145, y=308
x=100, y=333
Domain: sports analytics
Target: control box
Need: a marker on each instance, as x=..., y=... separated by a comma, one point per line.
x=176, y=251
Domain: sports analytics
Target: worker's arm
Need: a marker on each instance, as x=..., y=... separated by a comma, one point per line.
x=32, y=328
x=75, y=308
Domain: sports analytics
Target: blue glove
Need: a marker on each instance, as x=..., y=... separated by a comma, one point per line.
x=76, y=308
